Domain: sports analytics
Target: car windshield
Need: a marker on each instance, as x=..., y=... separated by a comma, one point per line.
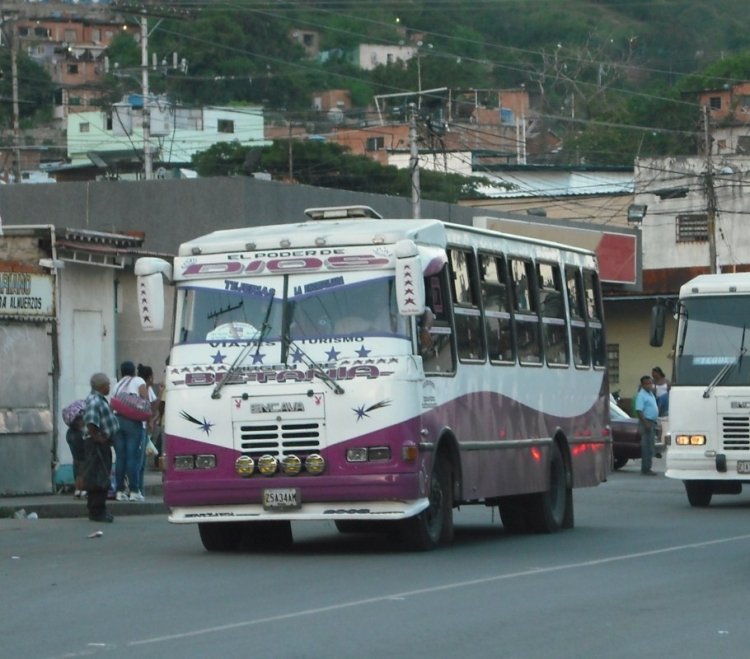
x=713, y=337
x=616, y=412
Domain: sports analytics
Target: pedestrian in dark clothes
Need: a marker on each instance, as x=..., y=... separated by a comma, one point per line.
x=101, y=426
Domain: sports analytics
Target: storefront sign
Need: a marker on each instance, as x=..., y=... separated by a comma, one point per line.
x=24, y=294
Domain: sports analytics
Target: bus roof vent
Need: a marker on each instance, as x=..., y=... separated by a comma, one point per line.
x=342, y=213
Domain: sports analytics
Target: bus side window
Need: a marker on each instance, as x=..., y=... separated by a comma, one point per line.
x=493, y=277
x=595, y=318
x=525, y=317
x=554, y=325
x=466, y=311
x=435, y=336
x=574, y=286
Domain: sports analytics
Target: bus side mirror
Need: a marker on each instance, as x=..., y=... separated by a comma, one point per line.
x=150, y=291
x=658, y=320
x=410, y=290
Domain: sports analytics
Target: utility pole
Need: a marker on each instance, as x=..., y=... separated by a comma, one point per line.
x=710, y=195
x=148, y=163
x=416, y=193
x=14, y=85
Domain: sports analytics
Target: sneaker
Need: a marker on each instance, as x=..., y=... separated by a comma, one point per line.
x=136, y=496
x=648, y=473
x=121, y=496
x=77, y=494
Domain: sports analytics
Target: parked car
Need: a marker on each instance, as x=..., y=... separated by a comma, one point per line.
x=626, y=439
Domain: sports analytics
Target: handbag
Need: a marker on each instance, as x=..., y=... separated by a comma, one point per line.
x=131, y=406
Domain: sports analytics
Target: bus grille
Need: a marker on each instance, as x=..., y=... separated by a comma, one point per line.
x=279, y=439
x=736, y=433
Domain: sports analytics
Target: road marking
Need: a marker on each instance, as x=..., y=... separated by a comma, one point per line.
x=436, y=589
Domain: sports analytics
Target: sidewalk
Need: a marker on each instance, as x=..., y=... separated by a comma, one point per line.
x=65, y=504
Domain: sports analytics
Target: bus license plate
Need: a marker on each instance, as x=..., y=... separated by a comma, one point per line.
x=286, y=498
x=743, y=466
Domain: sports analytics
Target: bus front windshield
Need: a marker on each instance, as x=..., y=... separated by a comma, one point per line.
x=714, y=336
x=296, y=308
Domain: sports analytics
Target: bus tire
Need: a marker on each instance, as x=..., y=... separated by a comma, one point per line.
x=552, y=510
x=434, y=525
x=269, y=534
x=699, y=493
x=220, y=536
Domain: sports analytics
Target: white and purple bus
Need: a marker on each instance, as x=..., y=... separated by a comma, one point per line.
x=378, y=373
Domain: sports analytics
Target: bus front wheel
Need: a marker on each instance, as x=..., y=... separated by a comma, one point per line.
x=220, y=536
x=434, y=525
x=699, y=493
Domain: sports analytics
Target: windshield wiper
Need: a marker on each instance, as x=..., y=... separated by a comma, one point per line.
x=316, y=368
x=724, y=372
x=261, y=335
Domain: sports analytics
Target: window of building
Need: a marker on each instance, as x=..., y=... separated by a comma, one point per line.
x=308, y=39
x=613, y=362
x=75, y=100
x=375, y=144
x=96, y=35
x=70, y=36
x=691, y=227
x=743, y=144
x=468, y=317
x=84, y=127
x=714, y=102
x=73, y=69
x=23, y=31
x=41, y=32
x=225, y=126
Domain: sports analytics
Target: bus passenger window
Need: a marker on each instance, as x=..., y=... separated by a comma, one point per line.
x=435, y=336
x=579, y=335
x=493, y=278
x=526, y=318
x=595, y=317
x=466, y=312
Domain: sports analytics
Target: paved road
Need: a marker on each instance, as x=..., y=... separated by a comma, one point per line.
x=642, y=575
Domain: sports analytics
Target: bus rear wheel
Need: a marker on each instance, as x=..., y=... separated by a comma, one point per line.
x=220, y=536
x=552, y=510
x=434, y=525
x=699, y=493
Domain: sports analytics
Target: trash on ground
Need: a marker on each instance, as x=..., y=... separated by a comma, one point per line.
x=96, y=534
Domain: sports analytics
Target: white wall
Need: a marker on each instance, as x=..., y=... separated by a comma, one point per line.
x=87, y=333
x=731, y=184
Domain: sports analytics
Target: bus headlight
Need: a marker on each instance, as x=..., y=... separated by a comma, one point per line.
x=205, y=461
x=244, y=465
x=184, y=462
x=314, y=464
x=267, y=465
x=291, y=465
x=356, y=454
x=690, y=440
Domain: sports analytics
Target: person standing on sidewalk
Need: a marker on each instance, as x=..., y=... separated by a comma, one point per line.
x=100, y=428
x=129, y=439
x=648, y=416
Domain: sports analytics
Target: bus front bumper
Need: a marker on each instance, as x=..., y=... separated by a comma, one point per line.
x=353, y=510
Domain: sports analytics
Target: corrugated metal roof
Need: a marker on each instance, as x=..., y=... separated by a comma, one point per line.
x=519, y=184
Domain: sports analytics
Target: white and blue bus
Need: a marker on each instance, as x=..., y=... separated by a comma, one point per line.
x=709, y=400
x=378, y=373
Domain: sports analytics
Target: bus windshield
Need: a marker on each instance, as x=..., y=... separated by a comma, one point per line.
x=298, y=308
x=713, y=338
